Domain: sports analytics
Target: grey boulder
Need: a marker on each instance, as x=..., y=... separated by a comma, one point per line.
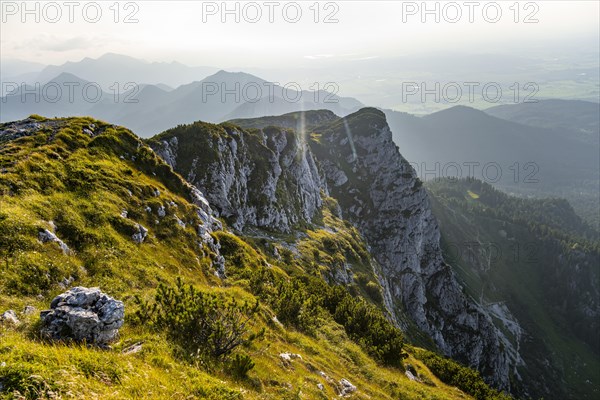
x=83, y=315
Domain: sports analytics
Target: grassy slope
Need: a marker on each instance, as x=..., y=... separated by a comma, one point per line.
x=83, y=184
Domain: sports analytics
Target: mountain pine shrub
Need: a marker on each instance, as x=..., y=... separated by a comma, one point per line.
x=202, y=324
x=466, y=379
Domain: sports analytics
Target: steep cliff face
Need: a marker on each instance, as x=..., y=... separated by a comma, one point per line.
x=272, y=178
x=382, y=196
x=265, y=178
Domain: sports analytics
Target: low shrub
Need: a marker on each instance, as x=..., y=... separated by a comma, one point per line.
x=239, y=365
x=367, y=325
x=201, y=324
x=374, y=292
x=466, y=379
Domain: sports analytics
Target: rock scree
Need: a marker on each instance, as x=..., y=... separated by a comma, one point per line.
x=83, y=315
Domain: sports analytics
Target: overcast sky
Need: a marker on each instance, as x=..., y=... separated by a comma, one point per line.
x=193, y=32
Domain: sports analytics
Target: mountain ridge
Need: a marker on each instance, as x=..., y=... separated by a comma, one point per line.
x=215, y=98
x=131, y=225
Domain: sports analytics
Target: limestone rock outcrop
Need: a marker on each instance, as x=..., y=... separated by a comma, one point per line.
x=84, y=315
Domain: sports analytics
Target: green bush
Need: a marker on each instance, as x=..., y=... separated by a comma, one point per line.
x=295, y=306
x=304, y=300
x=203, y=325
x=240, y=365
x=287, y=256
x=374, y=292
x=466, y=379
x=367, y=325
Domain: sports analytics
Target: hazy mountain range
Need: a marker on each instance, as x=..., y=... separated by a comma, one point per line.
x=549, y=147
x=106, y=71
x=375, y=81
x=532, y=156
x=575, y=119
x=149, y=109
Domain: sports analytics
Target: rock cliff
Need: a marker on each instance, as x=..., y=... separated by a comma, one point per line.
x=266, y=178
x=273, y=178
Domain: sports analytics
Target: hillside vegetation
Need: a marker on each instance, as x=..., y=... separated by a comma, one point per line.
x=295, y=336
x=536, y=265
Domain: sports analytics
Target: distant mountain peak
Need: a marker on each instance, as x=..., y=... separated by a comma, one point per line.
x=458, y=109
x=461, y=113
x=67, y=77
x=223, y=75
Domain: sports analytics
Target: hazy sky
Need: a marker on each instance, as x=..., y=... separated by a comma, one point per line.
x=193, y=32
